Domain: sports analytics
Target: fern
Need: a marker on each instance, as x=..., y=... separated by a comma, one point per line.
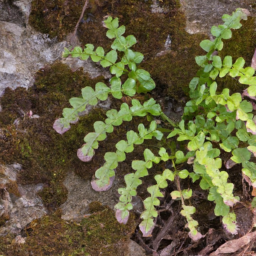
x=212, y=122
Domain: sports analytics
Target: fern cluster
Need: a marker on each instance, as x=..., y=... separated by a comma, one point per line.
x=212, y=122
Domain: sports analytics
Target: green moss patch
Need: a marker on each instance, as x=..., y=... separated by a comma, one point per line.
x=98, y=234
x=55, y=17
x=47, y=156
x=242, y=44
x=172, y=71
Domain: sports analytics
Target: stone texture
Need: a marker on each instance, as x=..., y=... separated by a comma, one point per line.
x=81, y=194
x=24, y=7
x=20, y=204
x=24, y=51
x=88, y=66
x=135, y=250
x=202, y=15
x=155, y=8
x=10, y=13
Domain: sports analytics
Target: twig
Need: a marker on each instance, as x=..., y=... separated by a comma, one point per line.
x=185, y=249
x=142, y=243
x=167, y=250
x=81, y=16
x=177, y=182
x=244, y=250
x=72, y=38
x=163, y=231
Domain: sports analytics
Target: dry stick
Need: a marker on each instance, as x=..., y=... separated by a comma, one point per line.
x=143, y=244
x=81, y=16
x=164, y=230
x=244, y=250
x=177, y=181
x=185, y=249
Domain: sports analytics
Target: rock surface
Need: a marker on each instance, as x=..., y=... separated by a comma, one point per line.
x=134, y=250
x=202, y=15
x=20, y=204
x=81, y=194
x=24, y=51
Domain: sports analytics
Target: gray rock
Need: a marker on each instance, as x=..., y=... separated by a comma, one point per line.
x=24, y=51
x=202, y=15
x=155, y=8
x=88, y=66
x=11, y=13
x=19, y=209
x=135, y=250
x=24, y=7
x=81, y=194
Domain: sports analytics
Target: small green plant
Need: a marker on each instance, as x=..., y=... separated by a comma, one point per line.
x=213, y=122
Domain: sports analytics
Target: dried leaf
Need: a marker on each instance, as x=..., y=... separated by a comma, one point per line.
x=235, y=245
x=253, y=65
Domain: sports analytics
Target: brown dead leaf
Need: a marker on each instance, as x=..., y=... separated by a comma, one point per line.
x=253, y=65
x=254, y=191
x=235, y=245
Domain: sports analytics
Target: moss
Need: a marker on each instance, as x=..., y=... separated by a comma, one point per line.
x=173, y=71
x=96, y=207
x=55, y=17
x=54, y=194
x=9, y=144
x=104, y=235
x=3, y=220
x=242, y=44
x=15, y=104
x=45, y=155
x=12, y=188
x=98, y=234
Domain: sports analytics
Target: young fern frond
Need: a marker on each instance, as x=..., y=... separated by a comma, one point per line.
x=210, y=118
x=123, y=147
x=115, y=118
x=138, y=80
x=132, y=181
x=224, y=114
x=147, y=225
